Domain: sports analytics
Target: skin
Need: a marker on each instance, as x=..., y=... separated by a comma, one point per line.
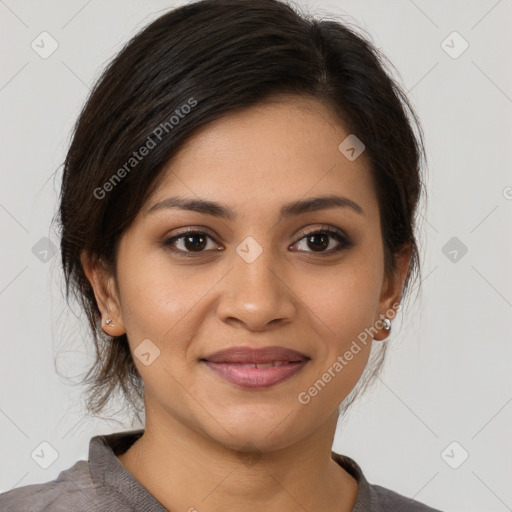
x=294, y=295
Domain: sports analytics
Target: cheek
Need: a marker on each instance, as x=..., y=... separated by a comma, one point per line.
x=345, y=301
x=153, y=300
x=165, y=303
x=342, y=307
x=153, y=309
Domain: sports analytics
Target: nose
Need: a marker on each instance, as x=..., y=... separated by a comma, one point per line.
x=257, y=294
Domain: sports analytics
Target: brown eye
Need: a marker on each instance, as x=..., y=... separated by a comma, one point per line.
x=194, y=242
x=320, y=240
x=190, y=242
x=324, y=241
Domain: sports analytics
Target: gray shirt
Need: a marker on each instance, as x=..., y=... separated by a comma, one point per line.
x=103, y=484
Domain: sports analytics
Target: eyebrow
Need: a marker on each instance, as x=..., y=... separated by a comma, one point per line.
x=288, y=210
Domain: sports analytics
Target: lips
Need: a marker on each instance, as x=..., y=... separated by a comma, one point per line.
x=274, y=356
x=256, y=368
x=255, y=376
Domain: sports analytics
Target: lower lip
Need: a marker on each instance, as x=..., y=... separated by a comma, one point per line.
x=256, y=377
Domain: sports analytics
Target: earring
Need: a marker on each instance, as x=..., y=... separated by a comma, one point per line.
x=387, y=323
x=109, y=321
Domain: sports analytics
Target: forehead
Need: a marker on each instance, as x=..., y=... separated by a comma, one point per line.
x=267, y=155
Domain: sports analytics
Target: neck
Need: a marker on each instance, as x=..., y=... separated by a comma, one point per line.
x=186, y=470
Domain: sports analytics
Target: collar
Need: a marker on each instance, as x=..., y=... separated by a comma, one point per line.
x=107, y=470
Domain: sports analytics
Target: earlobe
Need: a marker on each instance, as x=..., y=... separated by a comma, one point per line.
x=383, y=326
x=112, y=327
x=102, y=284
x=391, y=294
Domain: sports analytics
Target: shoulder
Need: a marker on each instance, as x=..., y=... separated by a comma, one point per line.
x=390, y=501
x=73, y=489
x=375, y=498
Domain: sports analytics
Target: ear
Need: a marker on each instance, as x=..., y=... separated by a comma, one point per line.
x=391, y=292
x=105, y=291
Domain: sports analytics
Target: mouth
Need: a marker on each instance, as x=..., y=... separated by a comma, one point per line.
x=255, y=375
x=249, y=355
x=256, y=368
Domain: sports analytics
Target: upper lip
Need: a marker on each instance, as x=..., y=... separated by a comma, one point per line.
x=246, y=355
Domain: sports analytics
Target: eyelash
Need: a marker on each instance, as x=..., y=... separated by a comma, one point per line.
x=342, y=239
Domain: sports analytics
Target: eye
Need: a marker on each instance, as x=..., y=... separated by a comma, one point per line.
x=319, y=240
x=191, y=242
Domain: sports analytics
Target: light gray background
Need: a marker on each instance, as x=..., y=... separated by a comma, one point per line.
x=448, y=375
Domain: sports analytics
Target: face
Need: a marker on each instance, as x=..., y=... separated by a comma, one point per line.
x=194, y=282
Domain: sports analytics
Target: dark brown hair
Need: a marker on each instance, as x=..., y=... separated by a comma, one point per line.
x=191, y=66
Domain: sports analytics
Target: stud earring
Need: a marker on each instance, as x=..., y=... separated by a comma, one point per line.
x=387, y=323
x=109, y=322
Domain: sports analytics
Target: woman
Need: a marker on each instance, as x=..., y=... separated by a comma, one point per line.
x=237, y=218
